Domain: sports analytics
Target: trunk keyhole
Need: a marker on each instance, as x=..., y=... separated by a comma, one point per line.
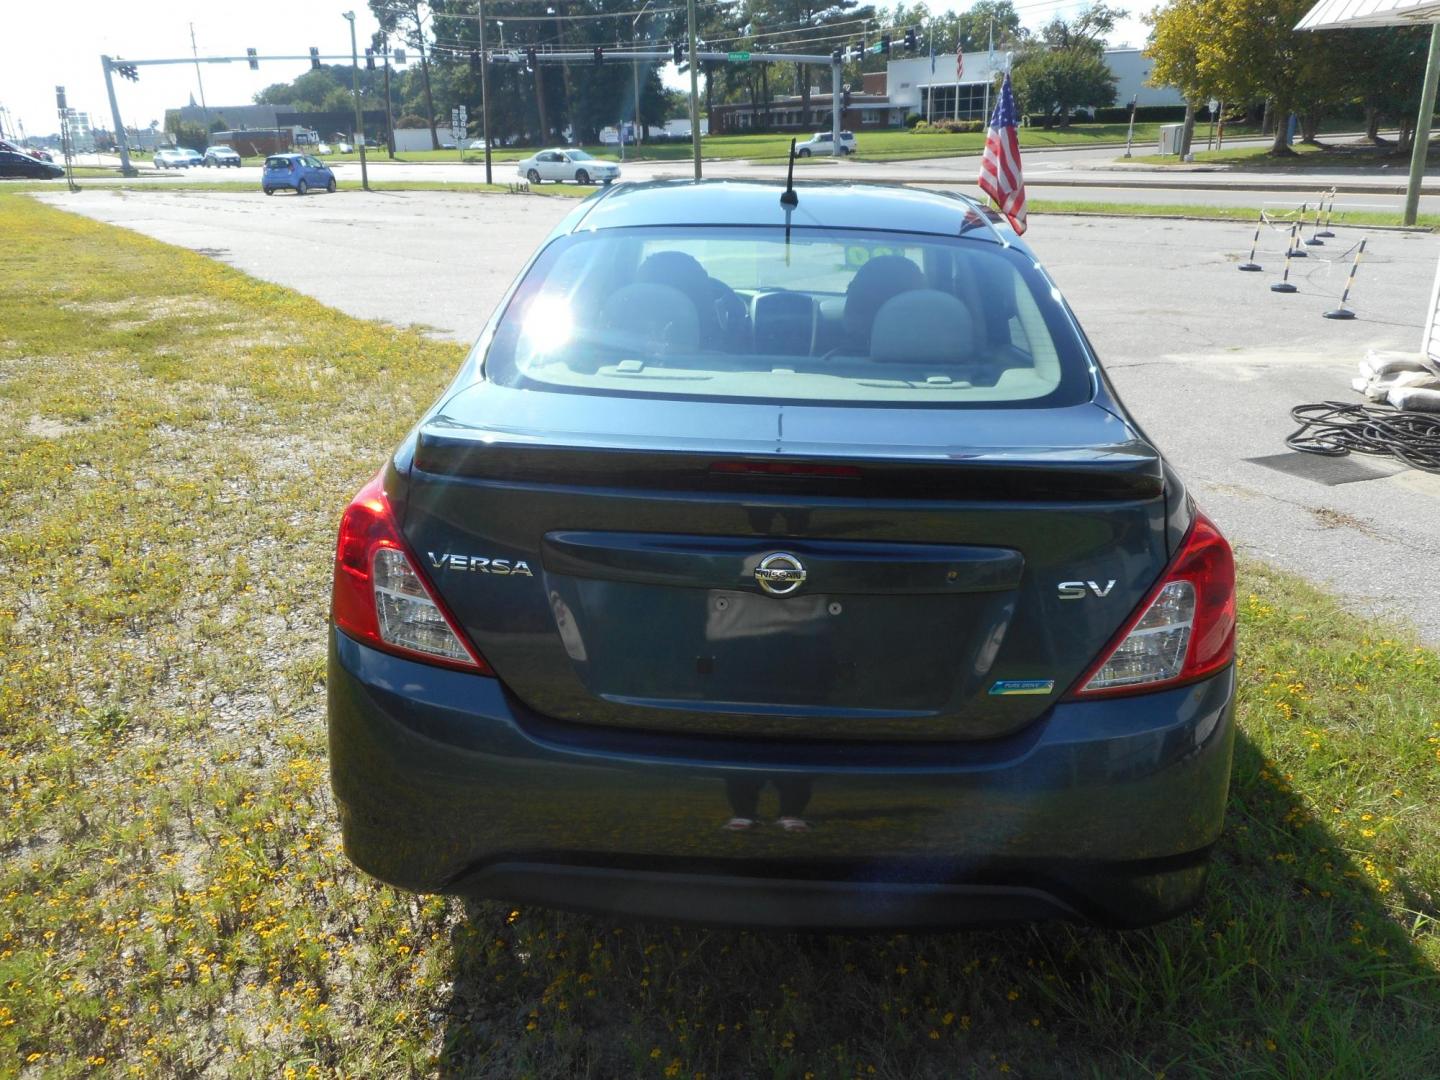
x=834, y=607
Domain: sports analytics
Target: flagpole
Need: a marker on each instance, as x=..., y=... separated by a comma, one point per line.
x=989, y=69
x=930, y=95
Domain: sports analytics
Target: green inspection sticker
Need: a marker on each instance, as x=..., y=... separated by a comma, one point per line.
x=1017, y=687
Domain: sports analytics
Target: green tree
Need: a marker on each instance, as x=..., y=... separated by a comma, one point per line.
x=1055, y=83
x=406, y=20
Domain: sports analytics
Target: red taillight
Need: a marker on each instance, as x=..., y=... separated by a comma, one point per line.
x=1182, y=631
x=380, y=596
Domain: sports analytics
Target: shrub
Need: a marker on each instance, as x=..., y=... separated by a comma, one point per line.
x=913, y=120
x=948, y=127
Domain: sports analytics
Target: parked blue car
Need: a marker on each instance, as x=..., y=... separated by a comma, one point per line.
x=299, y=172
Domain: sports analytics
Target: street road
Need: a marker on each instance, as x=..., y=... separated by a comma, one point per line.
x=1208, y=359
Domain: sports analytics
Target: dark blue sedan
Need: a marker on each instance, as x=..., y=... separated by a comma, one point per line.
x=301, y=173
x=784, y=566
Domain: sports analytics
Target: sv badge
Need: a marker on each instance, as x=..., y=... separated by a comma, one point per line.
x=1078, y=590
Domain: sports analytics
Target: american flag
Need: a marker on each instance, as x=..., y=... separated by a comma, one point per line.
x=1000, y=175
x=959, y=62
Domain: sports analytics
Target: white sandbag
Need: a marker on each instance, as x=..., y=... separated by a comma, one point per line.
x=1385, y=362
x=1422, y=379
x=1415, y=399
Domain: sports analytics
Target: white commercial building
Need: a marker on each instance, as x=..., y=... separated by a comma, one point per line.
x=940, y=94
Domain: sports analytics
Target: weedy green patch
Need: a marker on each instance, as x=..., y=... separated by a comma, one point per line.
x=173, y=901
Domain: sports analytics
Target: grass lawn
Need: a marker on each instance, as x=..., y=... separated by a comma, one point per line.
x=173, y=901
x=885, y=145
x=1319, y=156
x=1218, y=213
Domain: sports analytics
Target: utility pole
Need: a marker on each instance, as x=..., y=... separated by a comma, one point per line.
x=382, y=46
x=355, y=85
x=484, y=91
x=694, y=88
x=204, y=109
x=635, y=75
x=1422, y=128
x=107, y=65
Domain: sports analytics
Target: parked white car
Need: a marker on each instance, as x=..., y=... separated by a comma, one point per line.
x=561, y=165
x=176, y=157
x=820, y=143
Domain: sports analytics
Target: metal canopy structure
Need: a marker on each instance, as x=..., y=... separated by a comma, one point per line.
x=1362, y=14
x=1353, y=14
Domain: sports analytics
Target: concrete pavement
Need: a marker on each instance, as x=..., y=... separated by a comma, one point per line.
x=1208, y=359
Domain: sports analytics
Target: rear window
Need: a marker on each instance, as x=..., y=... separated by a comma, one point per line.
x=278, y=163
x=826, y=315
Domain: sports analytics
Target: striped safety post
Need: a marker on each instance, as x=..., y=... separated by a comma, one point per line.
x=1330, y=209
x=1342, y=312
x=1250, y=265
x=1299, y=251
x=1315, y=240
x=1284, y=285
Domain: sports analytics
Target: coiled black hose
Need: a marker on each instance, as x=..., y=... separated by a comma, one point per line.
x=1337, y=428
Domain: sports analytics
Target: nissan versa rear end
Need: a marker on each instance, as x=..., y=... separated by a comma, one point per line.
x=783, y=566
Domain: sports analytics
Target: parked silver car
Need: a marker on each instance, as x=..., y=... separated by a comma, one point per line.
x=561, y=164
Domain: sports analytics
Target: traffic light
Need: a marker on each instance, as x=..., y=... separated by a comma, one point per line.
x=474, y=61
x=845, y=98
x=678, y=51
x=885, y=45
x=599, y=56
x=857, y=51
x=60, y=98
x=369, y=59
x=911, y=44
x=314, y=58
x=837, y=56
x=128, y=71
x=254, y=63
x=399, y=55
x=530, y=58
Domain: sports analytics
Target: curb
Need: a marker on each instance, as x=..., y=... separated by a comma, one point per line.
x=1421, y=229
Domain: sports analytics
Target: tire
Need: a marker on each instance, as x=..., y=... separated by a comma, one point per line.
x=582, y=177
x=301, y=187
x=268, y=190
x=533, y=176
x=330, y=186
x=802, y=153
x=608, y=182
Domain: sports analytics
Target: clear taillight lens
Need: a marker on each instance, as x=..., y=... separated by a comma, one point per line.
x=1183, y=630
x=1155, y=649
x=406, y=615
x=381, y=599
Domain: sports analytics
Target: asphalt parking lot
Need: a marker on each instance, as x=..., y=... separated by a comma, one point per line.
x=1208, y=359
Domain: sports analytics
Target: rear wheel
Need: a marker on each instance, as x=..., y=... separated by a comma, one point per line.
x=582, y=177
x=802, y=153
x=301, y=188
x=533, y=176
x=268, y=190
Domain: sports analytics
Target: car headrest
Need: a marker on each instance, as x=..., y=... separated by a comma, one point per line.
x=650, y=319
x=923, y=325
x=874, y=283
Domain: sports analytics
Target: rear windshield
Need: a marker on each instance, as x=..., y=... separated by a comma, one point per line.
x=278, y=163
x=826, y=315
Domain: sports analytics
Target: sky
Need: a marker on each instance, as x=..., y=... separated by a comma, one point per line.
x=63, y=42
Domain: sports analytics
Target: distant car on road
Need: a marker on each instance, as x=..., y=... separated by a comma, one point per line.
x=17, y=166
x=821, y=143
x=561, y=165
x=476, y=144
x=40, y=154
x=299, y=172
x=221, y=156
x=344, y=148
x=177, y=157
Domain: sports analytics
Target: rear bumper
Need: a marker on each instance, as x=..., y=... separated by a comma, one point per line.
x=1103, y=811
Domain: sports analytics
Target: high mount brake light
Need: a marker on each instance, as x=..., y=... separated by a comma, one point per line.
x=1182, y=631
x=380, y=596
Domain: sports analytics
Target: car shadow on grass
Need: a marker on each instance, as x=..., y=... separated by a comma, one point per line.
x=1293, y=965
